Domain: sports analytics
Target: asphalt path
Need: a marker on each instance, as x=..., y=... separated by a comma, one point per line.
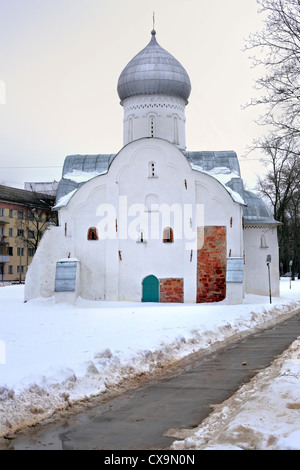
x=145, y=417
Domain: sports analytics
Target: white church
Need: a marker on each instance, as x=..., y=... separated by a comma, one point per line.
x=155, y=222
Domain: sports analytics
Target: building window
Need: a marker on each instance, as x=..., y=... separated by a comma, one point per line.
x=30, y=234
x=168, y=236
x=10, y=270
x=2, y=212
x=20, y=232
x=152, y=126
x=20, y=252
x=11, y=213
x=141, y=237
x=10, y=251
x=21, y=215
x=18, y=269
x=92, y=234
x=10, y=232
x=30, y=251
x=152, y=170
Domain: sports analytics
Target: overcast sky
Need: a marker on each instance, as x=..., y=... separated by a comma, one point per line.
x=60, y=61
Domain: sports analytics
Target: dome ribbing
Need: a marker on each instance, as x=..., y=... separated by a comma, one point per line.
x=153, y=71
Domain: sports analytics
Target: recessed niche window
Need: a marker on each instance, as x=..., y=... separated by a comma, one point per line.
x=152, y=170
x=175, y=124
x=130, y=129
x=92, y=234
x=168, y=236
x=151, y=203
x=263, y=241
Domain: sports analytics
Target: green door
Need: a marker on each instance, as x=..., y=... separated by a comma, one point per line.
x=150, y=289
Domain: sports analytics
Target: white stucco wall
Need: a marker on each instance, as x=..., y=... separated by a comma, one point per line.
x=118, y=205
x=114, y=266
x=256, y=251
x=168, y=113
x=40, y=277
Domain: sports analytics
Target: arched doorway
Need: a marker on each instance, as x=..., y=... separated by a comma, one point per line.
x=150, y=289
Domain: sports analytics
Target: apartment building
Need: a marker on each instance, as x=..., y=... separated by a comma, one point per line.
x=24, y=216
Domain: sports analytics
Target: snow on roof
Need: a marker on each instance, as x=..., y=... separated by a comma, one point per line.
x=82, y=176
x=224, y=175
x=79, y=169
x=64, y=200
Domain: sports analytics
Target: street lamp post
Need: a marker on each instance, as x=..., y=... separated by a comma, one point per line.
x=290, y=265
x=20, y=263
x=268, y=260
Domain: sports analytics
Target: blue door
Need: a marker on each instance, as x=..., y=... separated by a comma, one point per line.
x=150, y=289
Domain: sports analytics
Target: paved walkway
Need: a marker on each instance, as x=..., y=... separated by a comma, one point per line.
x=141, y=418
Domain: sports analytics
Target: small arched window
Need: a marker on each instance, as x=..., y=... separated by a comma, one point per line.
x=92, y=233
x=168, y=236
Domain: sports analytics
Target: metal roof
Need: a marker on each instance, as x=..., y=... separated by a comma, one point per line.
x=24, y=197
x=256, y=210
x=84, y=164
x=153, y=71
x=90, y=166
x=210, y=160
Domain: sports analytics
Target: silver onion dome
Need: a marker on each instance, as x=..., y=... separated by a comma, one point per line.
x=153, y=71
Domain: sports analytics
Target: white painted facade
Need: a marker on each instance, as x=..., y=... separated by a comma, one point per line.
x=128, y=205
x=154, y=116
x=260, y=241
x=108, y=264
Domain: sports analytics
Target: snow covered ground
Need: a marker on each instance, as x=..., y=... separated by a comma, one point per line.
x=54, y=355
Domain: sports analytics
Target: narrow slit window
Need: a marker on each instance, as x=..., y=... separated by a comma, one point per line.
x=152, y=170
x=152, y=126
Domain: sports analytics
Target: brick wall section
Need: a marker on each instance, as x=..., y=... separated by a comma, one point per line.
x=211, y=266
x=171, y=290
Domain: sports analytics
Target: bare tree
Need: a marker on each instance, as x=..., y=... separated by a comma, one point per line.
x=277, y=50
x=280, y=187
x=32, y=227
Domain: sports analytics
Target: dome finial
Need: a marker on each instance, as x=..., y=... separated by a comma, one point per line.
x=153, y=32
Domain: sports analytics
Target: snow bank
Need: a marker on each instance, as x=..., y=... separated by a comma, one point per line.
x=55, y=355
x=261, y=415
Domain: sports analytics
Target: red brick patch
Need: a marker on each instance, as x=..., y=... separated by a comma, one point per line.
x=171, y=290
x=211, y=266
